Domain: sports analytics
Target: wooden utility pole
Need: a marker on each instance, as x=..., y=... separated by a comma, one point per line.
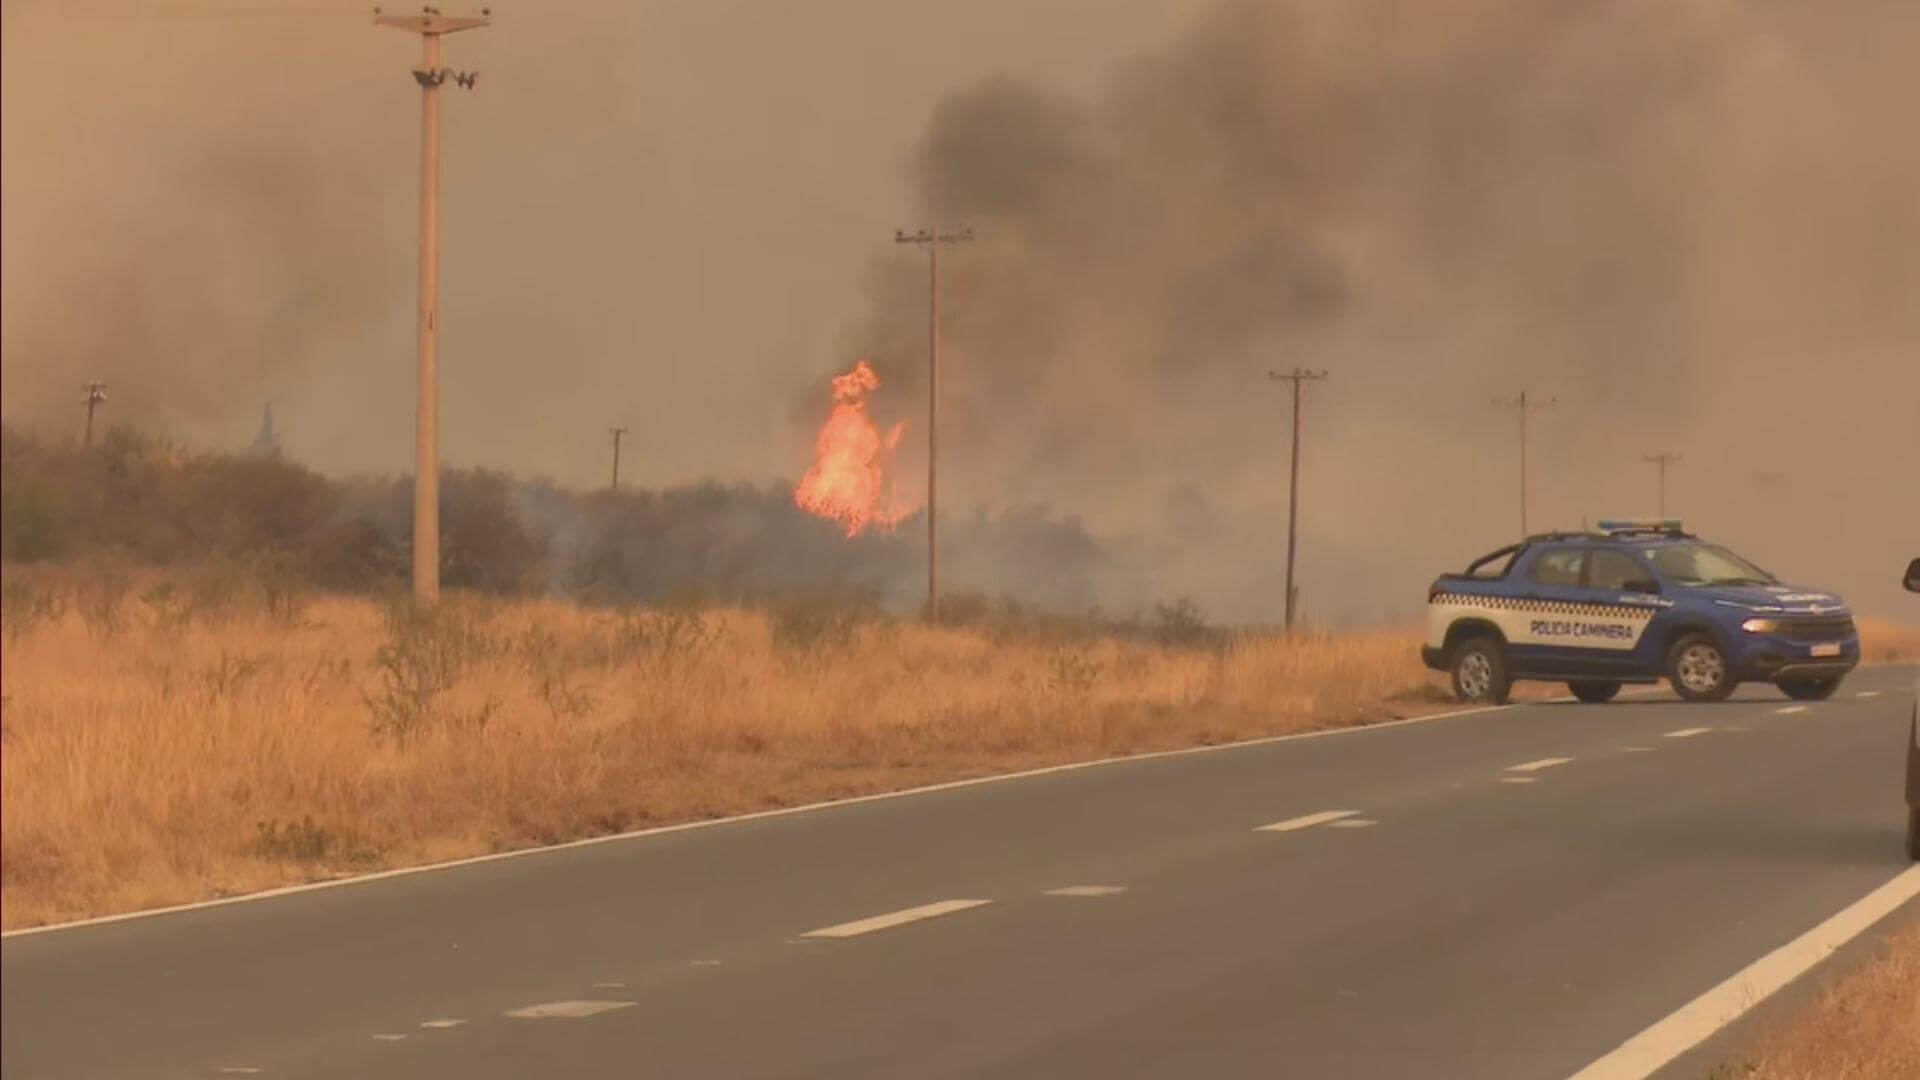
x=617, y=432
x=1524, y=405
x=96, y=393
x=431, y=25
x=1662, y=459
x=1298, y=377
x=931, y=239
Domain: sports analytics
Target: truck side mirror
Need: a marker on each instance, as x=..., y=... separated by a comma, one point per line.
x=1913, y=576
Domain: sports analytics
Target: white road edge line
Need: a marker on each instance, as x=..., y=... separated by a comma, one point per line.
x=1536, y=766
x=1791, y=709
x=894, y=918
x=685, y=826
x=1688, y=732
x=1693, y=1022
x=785, y=811
x=1306, y=821
x=566, y=1009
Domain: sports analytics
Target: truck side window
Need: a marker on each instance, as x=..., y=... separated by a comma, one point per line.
x=1614, y=571
x=1559, y=566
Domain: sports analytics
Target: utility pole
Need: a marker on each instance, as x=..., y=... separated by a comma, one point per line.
x=1298, y=377
x=431, y=25
x=931, y=239
x=1525, y=404
x=617, y=432
x=1662, y=459
x=96, y=393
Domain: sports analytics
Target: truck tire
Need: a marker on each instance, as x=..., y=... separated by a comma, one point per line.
x=1479, y=670
x=1697, y=667
x=1594, y=691
x=1810, y=689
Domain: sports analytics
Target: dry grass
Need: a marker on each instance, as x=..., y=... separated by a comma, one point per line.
x=167, y=750
x=1883, y=641
x=1866, y=1026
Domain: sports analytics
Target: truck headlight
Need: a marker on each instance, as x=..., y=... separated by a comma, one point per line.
x=1760, y=626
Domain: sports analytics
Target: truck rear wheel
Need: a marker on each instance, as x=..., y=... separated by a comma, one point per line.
x=1810, y=689
x=1479, y=669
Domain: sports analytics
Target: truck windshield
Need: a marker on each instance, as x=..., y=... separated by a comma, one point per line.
x=1706, y=564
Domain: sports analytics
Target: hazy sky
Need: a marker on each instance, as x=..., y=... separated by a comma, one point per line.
x=1693, y=222
x=655, y=215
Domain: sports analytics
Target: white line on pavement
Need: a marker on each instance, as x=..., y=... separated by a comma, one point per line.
x=1639, y=749
x=1791, y=709
x=1692, y=1023
x=1688, y=732
x=441, y=1023
x=1087, y=890
x=239, y=1070
x=387, y=1037
x=1535, y=766
x=1868, y=693
x=567, y=1009
x=897, y=918
x=1306, y=821
x=1519, y=779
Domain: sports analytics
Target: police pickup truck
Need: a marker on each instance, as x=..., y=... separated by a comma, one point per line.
x=1633, y=603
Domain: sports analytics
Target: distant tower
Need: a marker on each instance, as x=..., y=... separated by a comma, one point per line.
x=266, y=444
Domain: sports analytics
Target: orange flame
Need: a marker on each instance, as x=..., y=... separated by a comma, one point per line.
x=852, y=479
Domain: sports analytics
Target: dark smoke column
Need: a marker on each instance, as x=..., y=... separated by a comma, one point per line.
x=932, y=239
x=430, y=25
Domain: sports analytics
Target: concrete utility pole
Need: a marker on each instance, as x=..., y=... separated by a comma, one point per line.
x=931, y=239
x=617, y=432
x=431, y=25
x=1298, y=377
x=96, y=393
x=1525, y=404
x=1662, y=459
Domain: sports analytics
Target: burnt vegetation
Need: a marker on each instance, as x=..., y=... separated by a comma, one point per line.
x=276, y=531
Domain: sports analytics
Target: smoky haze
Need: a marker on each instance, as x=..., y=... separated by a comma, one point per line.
x=1693, y=224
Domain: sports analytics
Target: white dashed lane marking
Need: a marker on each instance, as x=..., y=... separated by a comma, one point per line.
x=389, y=1037
x=1688, y=732
x=1306, y=821
x=892, y=919
x=1536, y=766
x=1791, y=709
x=566, y=1009
x=441, y=1023
x=609, y=986
x=1519, y=779
x=1087, y=890
x=238, y=1070
x=1868, y=693
x=1639, y=749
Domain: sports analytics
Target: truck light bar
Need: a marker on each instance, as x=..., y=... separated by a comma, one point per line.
x=1666, y=525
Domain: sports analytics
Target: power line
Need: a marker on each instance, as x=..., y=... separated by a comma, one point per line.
x=431, y=25
x=96, y=393
x=1298, y=377
x=1525, y=404
x=931, y=239
x=617, y=432
x=1662, y=459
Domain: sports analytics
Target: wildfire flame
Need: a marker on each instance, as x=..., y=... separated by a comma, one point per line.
x=852, y=479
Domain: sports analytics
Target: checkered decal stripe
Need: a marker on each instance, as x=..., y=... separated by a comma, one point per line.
x=1546, y=607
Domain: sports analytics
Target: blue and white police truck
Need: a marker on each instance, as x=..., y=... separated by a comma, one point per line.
x=1634, y=602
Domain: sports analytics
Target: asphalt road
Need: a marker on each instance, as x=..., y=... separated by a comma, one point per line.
x=1467, y=918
